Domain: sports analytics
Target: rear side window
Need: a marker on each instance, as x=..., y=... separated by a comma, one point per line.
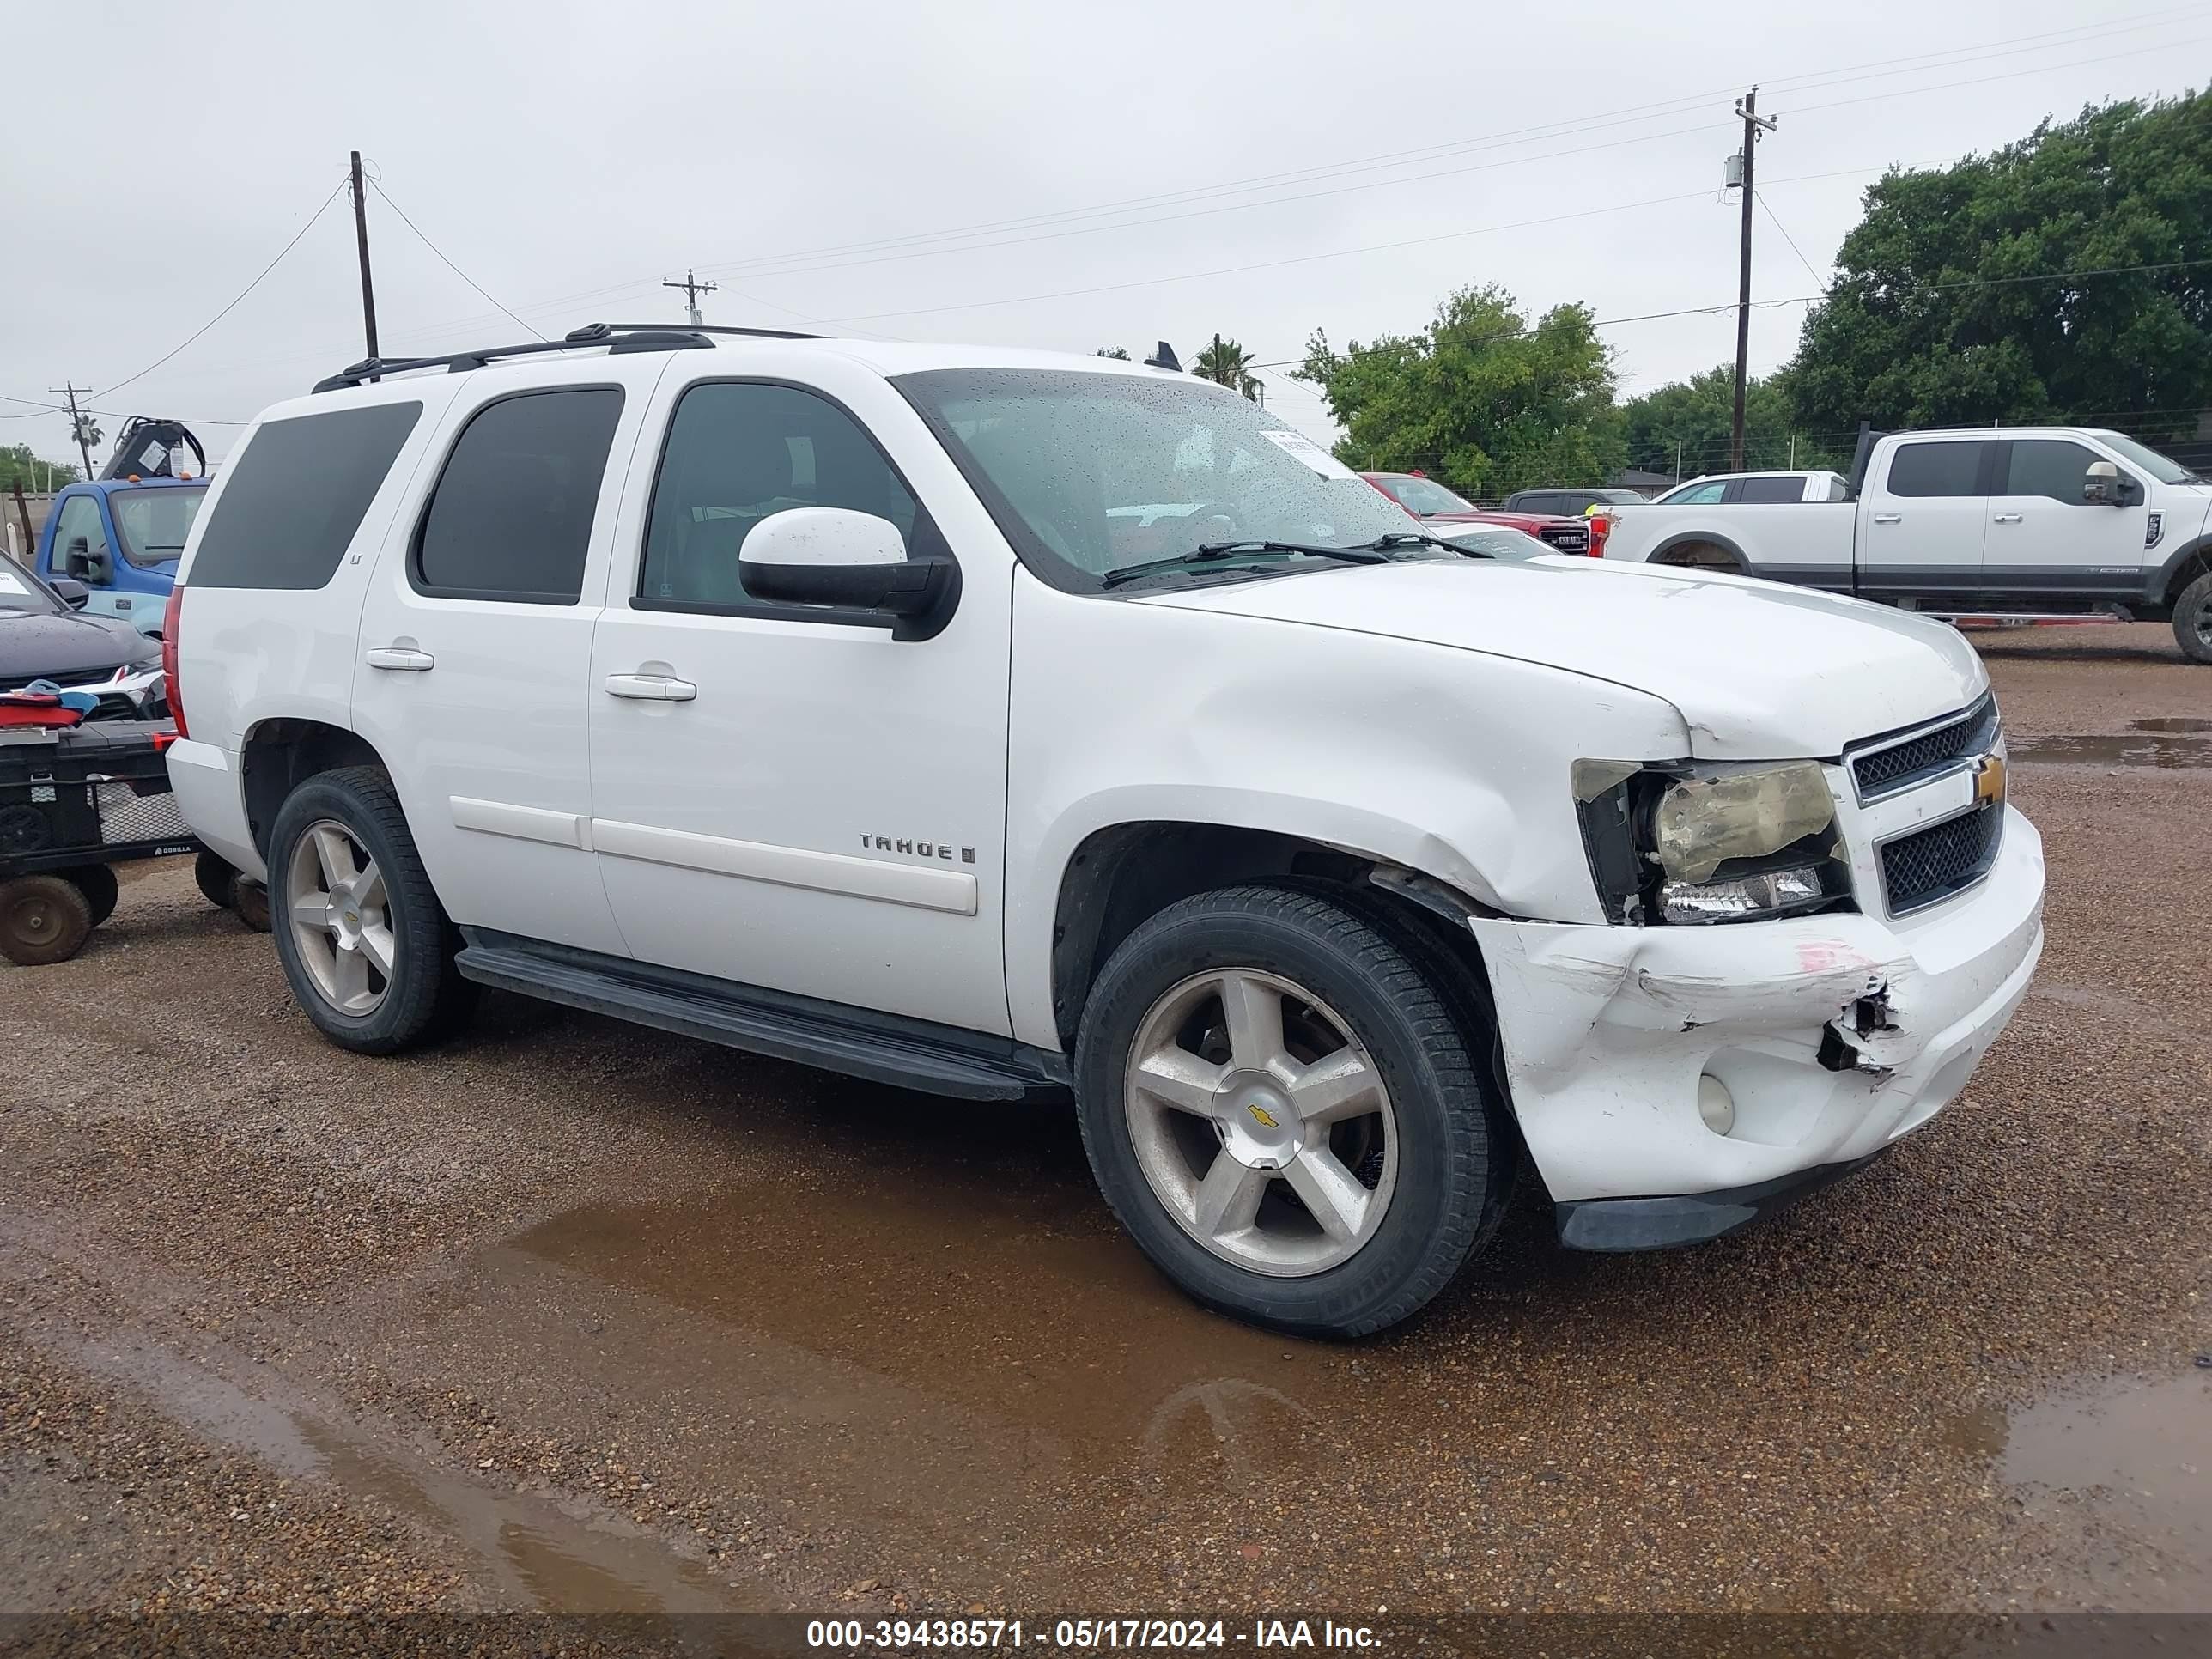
x=2048, y=466
x=293, y=501
x=1952, y=469
x=511, y=516
x=1710, y=494
x=1772, y=489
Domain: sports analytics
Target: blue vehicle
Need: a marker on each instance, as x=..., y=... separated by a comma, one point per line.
x=121, y=534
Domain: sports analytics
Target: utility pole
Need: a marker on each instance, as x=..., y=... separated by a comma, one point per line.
x=1746, y=109
x=360, y=240
x=693, y=287
x=80, y=426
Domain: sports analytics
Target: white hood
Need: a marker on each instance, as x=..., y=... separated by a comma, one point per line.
x=1758, y=670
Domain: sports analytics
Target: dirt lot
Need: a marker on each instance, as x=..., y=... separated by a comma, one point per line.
x=572, y=1316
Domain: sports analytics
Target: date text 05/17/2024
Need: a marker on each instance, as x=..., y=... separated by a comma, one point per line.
x=1086, y=1635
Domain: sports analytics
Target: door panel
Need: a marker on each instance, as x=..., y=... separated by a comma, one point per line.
x=481, y=703
x=2046, y=542
x=824, y=812
x=1922, y=525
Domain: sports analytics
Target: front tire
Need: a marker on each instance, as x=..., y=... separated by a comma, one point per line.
x=2192, y=620
x=367, y=949
x=1282, y=1110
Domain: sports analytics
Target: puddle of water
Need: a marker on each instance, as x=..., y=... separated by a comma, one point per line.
x=2137, y=1457
x=2171, y=723
x=2152, y=747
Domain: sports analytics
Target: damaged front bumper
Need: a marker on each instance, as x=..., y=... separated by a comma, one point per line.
x=1833, y=1037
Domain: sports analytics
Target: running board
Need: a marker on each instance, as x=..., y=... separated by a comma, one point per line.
x=908, y=1053
x=2021, y=619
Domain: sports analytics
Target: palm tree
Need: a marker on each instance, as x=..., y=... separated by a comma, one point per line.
x=1226, y=363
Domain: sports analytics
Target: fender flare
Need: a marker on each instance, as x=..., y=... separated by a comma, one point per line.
x=2198, y=550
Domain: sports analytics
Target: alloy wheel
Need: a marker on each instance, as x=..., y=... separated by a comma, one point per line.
x=335, y=904
x=1261, y=1122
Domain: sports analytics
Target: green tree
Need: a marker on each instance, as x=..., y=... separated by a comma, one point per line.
x=1226, y=363
x=1119, y=354
x=1941, y=311
x=1689, y=423
x=19, y=466
x=1480, y=398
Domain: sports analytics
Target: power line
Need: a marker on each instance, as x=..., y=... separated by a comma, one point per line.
x=241, y=294
x=1792, y=241
x=378, y=188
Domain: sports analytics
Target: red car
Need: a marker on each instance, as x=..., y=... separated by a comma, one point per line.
x=1424, y=498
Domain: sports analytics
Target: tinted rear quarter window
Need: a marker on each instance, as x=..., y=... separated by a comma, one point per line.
x=290, y=508
x=1772, y=489
x=511, y=515
x=1938, y=469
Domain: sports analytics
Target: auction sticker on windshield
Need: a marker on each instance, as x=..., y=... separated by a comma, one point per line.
x=1297, y=446
x=9, y=585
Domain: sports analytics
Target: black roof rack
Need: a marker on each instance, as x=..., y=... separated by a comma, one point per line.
x=615, y=337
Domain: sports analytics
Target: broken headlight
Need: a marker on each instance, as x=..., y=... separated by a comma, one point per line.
x=1684, y=842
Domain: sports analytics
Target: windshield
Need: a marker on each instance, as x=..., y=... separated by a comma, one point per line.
x=2159, y=466
x=1496, y=541
x=1424, y=495
x=1087, y=473
x=23, y=594
x=153, y=522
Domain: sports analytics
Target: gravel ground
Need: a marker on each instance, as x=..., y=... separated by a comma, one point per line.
x=574, y=1317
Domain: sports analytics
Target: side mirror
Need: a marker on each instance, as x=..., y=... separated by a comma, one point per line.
x=2105, y=484
x=831, y=556
x=73, y=593
x=86, y=565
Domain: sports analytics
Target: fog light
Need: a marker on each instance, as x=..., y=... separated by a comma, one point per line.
x=1715, y=1105
x=1775, y=891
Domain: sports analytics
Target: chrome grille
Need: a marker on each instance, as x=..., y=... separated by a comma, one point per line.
x=1928, y=865
x=1883, y=767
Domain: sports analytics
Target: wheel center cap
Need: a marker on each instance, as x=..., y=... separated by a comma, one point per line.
x=1255, y=1120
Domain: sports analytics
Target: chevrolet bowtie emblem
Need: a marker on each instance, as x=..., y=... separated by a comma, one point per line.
x=1262, y=1115
x=1990, y=780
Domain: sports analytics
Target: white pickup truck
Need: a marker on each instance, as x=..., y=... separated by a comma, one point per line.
x=1010, y=726
x=2023, y=521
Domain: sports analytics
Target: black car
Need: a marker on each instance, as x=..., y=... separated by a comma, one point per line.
x=1568, y=503
x=44, y=637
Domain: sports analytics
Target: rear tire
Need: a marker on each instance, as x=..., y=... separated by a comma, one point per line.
x=42, y=919
x=212, y=872
x=1702, y=556
x=1320, y=1214
x=367, y=949
x=2192, y=620
x=98, y=884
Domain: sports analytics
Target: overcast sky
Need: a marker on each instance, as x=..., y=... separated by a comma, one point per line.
x=810, y=157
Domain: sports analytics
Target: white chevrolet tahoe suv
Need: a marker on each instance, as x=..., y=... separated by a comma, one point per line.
x=864, y=704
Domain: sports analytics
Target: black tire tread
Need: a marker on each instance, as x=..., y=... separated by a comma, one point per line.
x=2193, y=603
x=70, y=898
x=100, y=889
x=1477, y=1158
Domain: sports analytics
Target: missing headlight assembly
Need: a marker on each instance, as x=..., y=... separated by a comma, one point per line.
x=1687, y=842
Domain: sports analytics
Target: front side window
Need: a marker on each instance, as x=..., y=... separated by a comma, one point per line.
x=739, y=452
x=1772, y=489
x=1092, y=474
x=79, y=522
x=2048, y=466
x=152, y=524
x=1938, y=469
x=511, y=517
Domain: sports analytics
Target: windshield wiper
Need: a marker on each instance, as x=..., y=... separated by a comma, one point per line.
x=1421, y=538
x=1209, y=552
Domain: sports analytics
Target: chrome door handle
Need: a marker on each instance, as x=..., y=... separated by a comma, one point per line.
x=1887, y=518
x=2007, y=518
x=400, y=657
x=650, y=688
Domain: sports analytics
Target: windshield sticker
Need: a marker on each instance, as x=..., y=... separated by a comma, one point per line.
x=1300, y=447
x=9, y=585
